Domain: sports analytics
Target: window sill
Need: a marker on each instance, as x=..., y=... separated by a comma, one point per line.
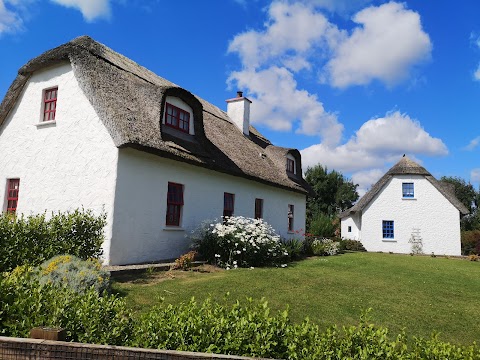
x=389, y=240
x=46, y=123
x=173, y=228
x=290, y=232
x=409, y=198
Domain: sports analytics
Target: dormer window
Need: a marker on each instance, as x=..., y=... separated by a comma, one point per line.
x=290, y=164
x=49, y=104
x=177, y=118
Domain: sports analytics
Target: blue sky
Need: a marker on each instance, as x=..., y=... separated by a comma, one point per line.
x=353, y=84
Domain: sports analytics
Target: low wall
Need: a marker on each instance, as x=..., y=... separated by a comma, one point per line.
x=33, y=349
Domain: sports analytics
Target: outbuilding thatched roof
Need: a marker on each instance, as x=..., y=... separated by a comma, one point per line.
x=129, y=100
x=405, y=167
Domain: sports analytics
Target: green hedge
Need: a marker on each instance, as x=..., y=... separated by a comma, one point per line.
x=248, y=328
x=34, y=239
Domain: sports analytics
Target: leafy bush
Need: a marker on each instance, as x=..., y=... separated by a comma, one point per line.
x=324, y=225
x=351, y=245
x=470, y=242
x=87, y=317
x=185, y=261
x=34, y=239
x=70, y=271
x=294, y=247
x=324, y=247
x=239, y=242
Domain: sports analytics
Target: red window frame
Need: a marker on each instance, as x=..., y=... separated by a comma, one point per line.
x=291, y=166
x=50, y=104
x=174, y=204
x=228, y=204
x=290, y=217
x=177, y=118
x=258, y=208
x=13, y=187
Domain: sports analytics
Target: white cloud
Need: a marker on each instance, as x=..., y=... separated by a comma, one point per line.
x=377, y=141
x=90, y=9
x=473, y=144
x=278, y=103
x=342, y=7
x=475, y=40
x=270, y=59
x=388, y=42
x=10, y=20
x=291, y=28
x=475, y=175
x=297, y=39
x=366, y=179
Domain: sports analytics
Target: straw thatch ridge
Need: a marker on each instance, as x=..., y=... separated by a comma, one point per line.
x=405, y=167
x=130, y=99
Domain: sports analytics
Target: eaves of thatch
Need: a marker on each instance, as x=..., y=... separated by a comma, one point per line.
x=404, y=167
x=129, y=100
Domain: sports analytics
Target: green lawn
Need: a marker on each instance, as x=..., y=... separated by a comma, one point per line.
x=420, y=294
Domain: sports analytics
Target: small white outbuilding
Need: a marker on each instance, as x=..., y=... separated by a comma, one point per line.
x=406, y=211
x=84, y=126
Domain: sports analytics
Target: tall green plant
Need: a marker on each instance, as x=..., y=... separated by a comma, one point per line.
x=34, y=239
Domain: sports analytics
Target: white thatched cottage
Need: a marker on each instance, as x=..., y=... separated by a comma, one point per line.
x=82, y=125
x=407, y=209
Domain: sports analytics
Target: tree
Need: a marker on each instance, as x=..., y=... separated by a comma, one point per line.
x=333, y=192
x=467, y=194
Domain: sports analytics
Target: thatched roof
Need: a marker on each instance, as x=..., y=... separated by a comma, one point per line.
x=405, y=167
x=129, y=100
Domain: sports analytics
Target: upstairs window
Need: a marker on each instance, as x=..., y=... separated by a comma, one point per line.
x=407, y=190
x=290, y=217
x=291, y=166
x=228, y=204
x=177, y=118
x=50, y=104
x=387, y=229
x=174, y=204
x=258, y=208
x=13, y=186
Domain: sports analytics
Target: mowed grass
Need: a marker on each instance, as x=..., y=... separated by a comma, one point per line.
x=419, y=293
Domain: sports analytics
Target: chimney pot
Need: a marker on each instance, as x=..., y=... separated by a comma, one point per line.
x=238, y=110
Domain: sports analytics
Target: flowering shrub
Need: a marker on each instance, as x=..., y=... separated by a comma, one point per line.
x=325, y=247
x=70, y=271
x=239, y=242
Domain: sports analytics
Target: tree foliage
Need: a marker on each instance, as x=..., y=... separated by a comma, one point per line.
x=333, y=193
x=470, y=197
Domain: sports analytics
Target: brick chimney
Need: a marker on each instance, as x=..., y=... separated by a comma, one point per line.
x=238, y=110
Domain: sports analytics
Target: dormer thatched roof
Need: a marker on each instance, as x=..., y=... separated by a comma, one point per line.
x=129, y=99
x=404, y=167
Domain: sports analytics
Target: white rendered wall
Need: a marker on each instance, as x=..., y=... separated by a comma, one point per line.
x=63, y=165
x=139, y=231
x=354, y=222
x=429, y=211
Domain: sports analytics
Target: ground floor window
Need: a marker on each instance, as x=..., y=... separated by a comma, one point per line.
x=13, y=186
x=258, y=208
x=228, y=204
x=290, y=217
x=387, y=229
x=174, y=204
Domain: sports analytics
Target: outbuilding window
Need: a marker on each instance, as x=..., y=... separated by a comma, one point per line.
x=50, y=104
x=177, y=118
x=408, y=190
x=13, y=186
x=228, y=204
x=387, y=229
x=349, y=229
x=174, y=204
